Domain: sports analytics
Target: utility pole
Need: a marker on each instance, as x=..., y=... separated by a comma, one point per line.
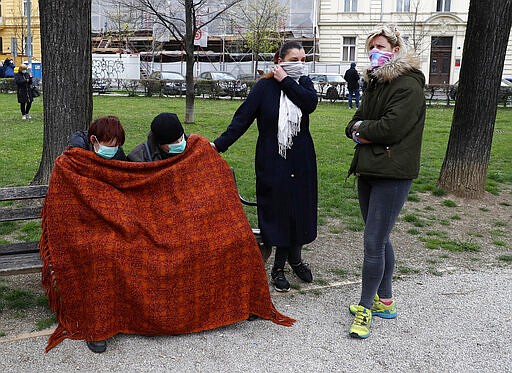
x=29, y=36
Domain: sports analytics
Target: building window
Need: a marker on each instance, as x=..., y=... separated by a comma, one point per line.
x=349, y=49
x=1, y=46
x=403, y=5
x=350, y=5
x=443, y=5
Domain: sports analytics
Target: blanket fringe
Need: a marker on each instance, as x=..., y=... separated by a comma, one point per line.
x=58, y=336
x=49, y=283
x=278, y=318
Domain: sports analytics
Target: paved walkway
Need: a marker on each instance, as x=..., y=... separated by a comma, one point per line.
x=459, y=322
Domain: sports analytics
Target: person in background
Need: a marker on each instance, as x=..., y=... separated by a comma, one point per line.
x=105, y=137
x=286, y=173
x=24, y=92
x=387, y=130
x=8, y=68
x=352, y=78
x=166, y=139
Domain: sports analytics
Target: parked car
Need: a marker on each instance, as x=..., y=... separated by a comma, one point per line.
x=505, y=89
x=100, y=85
x=329, y=85
x=220, y=83
x=174, y=82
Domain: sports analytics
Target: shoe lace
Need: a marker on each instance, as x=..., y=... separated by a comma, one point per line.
x=361, y=319
x=279, y=275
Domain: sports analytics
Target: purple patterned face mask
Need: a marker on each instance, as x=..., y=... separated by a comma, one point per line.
x=379, y=58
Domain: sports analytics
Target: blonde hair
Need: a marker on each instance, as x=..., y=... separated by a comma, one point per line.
x=392, y=35
x=22, y=67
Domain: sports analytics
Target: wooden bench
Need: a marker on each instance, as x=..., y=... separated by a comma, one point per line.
x=18, y=258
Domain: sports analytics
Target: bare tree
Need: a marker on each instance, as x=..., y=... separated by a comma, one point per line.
x=183, y=19
x=19, y=21
x=420, y=36
x=67, y=98
x=464, y=169
x=259, y=20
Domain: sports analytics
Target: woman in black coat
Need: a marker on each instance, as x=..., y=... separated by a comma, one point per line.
x=24, y=83
x=286, y=175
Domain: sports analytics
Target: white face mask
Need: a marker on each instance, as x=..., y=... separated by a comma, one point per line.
x=294, y=69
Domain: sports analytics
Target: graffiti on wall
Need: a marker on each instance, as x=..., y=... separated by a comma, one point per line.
x=107, y=68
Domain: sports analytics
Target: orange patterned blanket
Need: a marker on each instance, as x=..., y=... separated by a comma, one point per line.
x=149, y=248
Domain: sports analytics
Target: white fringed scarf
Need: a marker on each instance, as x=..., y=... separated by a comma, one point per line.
x=290, y=115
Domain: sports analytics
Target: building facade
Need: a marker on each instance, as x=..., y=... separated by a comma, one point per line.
x=435, y=28
x=15, y=30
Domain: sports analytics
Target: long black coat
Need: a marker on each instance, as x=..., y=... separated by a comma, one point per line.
x=286, y=189
x=23, y=84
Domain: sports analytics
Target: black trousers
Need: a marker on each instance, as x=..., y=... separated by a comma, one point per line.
x=25, y=107
x=290, y=253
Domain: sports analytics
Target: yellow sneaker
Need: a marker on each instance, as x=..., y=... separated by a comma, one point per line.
x=361, y=326
x=379, y=309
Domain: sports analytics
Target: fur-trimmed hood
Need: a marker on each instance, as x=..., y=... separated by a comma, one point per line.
x=400, y=64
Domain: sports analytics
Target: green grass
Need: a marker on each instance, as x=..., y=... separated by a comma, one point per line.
x=414, y=220
x=46, y=323
x=22, y=146
x=413, y=198
x=505, y=258
x=449, y=203
x=407, y=270
x=19, y=300
x=340, y=272
x=436, y=243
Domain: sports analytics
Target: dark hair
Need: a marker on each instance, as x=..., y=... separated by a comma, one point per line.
x=106, y=129
x=283, y=51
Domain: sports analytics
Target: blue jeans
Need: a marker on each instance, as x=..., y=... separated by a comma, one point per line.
x=380, y=201
x=352, y=92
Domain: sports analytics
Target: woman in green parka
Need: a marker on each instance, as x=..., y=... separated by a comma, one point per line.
x=387, y=129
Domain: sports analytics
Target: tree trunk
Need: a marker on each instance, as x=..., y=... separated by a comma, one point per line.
x=67, y=93
x=464, y=169
x=189, y=50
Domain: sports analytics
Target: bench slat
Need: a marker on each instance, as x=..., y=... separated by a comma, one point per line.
x=21, y=263
x=26, y=192
x=24, y=213
x=19, y=248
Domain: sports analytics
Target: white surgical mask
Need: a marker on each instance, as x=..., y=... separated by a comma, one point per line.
x=294, y=69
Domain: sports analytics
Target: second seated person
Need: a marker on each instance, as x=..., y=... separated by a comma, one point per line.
x=166, y=139
x=285, y=164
